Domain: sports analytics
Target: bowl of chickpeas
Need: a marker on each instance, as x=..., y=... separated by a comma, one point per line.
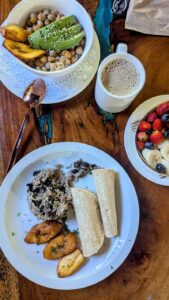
x=34, y=15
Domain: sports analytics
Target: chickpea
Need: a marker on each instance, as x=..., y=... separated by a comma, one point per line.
x=52, y=53
x=68, y=61
x=72, y=52
x=38, y=68
x=33, y=18
x=51, y=59
x=41, y=16
x=40, y=23
x=52, y=67
x=51, y=17
x=54, y=12
x=74, y=59
x=29, y=29
x=36, y=27
x=46, y=11
x=47, y=22
x=79, y=50
x=60, y=64
x=47, y=65
x=43, y=59
x=38, y=62
x=44, y=69
x=68, y=54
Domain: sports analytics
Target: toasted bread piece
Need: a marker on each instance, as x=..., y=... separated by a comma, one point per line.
x=70, y=263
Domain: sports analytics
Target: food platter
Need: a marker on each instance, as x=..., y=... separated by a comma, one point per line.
x=16, y=218
x=130, y=140
x=58, y=89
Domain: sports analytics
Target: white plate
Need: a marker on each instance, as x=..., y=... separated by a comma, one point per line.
x=16, y=77
x=130, y=144
x=24, y=257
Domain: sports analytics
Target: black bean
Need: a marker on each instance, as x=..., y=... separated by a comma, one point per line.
x=77, y=163
x=85, y=164
x=75, y=171
x=30, y=187
x=36, y=172
x=36, y=191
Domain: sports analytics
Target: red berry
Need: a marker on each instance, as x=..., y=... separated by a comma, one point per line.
x=142, y=136
x=151, y=117
x=156, y=137
x=157, y=124
x=140, y=145
x=162, y=108
x=144, y=126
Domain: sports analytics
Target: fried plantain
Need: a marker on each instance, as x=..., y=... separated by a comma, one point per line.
x=43, y=232
x=70, y=263
x=21, y=50
x=60, y=246
x=14, y=33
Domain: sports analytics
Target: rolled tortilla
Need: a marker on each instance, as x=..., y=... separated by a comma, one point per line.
x=105, y=187
x=89, y=221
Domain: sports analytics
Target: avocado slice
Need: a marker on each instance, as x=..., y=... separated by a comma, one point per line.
x=63, y=23
x=68, y=43
x=45, y=41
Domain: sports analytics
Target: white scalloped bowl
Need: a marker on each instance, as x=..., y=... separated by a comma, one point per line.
x=21, y=11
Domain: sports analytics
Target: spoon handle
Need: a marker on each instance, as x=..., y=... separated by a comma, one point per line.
x=18, y=142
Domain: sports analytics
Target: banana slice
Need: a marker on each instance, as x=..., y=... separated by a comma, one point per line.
x=165, y=151
x=152, y=157
x=161, y=145
x=166, y=164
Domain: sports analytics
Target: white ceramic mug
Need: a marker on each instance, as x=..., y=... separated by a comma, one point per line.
x=115, y=103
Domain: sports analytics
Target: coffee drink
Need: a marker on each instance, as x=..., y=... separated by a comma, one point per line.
x=120, y=77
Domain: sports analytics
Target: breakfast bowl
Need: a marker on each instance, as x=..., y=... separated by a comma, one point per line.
x=147, y=139
x=20, y=15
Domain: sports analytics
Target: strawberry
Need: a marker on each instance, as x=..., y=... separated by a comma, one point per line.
x=140, y=145
x=142, y=136
x=144, y=126
x=156, y=137
x=162, y=108
x=151, y=117
x=157, y=124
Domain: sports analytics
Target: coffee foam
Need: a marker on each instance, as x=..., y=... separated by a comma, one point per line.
x=120, y=77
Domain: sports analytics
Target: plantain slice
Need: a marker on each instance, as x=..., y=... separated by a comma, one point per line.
x=60, y=246
x=21, y=50
x=14, y=33
x=70, y=263
x=43, y=232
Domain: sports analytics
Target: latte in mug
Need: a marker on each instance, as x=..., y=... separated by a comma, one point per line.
x=120, y=77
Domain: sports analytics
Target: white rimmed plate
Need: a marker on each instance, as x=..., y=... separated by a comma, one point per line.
x=16, y=218
x=17, y=78
x=130, y=144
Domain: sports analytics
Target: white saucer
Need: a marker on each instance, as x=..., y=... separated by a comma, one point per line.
x=130, y=143
x=16, y=78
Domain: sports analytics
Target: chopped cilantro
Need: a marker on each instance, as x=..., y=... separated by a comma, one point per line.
x=13, y=233
x=37, y=251
x=18, y=214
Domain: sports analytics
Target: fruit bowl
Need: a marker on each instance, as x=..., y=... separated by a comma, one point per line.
x=23, y=9
x=134, y=150
x=152, y=138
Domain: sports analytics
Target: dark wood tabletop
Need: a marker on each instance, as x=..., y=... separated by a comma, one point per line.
x=145, y=273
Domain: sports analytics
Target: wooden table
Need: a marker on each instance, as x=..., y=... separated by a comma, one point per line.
x=145, y=273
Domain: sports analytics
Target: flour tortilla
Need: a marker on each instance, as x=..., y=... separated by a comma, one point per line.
x=89, y=221
x=105, y=187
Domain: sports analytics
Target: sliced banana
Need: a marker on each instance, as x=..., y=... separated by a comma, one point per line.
x=165, y=151
x=161, y=145
x=152, y=157
x=166, y=164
